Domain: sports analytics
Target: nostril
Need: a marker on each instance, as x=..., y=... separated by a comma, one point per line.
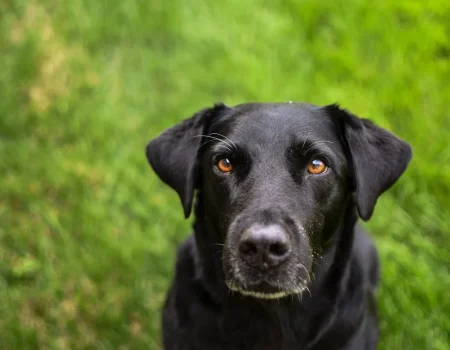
x=248, y=248
x=278, y=249
x=264, y=246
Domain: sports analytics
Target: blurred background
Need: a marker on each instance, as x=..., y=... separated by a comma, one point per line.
x=88, y=232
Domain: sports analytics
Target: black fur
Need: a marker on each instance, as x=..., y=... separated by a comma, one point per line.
x=332, y=259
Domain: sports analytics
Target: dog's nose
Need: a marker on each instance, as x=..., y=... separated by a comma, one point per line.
x=264, y=246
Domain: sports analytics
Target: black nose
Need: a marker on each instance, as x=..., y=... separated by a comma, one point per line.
x=264, y=246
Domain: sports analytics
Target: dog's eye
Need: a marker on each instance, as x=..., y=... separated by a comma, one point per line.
x=316, y=166
x=224, y=165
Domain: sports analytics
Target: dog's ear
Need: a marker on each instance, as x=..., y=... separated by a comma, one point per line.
x=173, y=154
x=377, y=157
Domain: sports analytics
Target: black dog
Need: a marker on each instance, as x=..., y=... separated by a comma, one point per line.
x=276, y=261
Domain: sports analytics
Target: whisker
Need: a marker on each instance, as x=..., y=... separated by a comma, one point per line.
x=304, y=142
x=204, y=143
x=308, y=291
x=307, y=272
x=300, y=297
x=215, y=133
x=215, y=138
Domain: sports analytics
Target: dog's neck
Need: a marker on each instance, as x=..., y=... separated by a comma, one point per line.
x=327, y=267
x=209, y=252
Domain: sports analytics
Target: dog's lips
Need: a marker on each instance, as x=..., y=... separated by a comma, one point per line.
x=263, y=290
x=291, y=279
x=264, y=287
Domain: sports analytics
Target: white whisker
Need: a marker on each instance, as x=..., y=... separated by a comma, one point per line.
x=308, y=291
x=306, y=270
x=304, y=142
x=215, y=133
x=204, y=143
x=217, y=139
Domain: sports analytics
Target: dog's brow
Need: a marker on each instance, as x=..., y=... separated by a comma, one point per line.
x=215, y=133
x=312, y=145
x=304, y=142
x=212, y=139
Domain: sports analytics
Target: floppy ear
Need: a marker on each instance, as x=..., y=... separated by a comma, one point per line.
x=378, y=158
x=173, y=154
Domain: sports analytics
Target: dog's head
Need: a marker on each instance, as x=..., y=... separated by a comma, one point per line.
x=275, y=180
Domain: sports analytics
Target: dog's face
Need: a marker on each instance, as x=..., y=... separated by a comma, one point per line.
x=275, y=180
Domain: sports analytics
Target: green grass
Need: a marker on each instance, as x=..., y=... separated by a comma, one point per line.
x=87, y=231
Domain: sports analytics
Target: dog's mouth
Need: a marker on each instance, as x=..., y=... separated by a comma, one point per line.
x=264, y=290
x=267, y=259
x=292, y=278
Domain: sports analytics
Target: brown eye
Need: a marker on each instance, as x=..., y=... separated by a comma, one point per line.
x=224, y=165
x=316, y=166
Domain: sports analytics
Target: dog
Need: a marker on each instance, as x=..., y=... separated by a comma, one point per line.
x=277, y=259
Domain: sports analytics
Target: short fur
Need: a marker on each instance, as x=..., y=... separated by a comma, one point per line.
x=323, y=296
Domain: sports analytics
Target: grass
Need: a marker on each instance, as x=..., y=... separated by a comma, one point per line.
x=87, y=231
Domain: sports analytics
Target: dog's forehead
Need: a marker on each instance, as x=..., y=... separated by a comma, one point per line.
x=282, y=122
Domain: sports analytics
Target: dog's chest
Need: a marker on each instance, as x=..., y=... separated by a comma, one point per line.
x=247, y=329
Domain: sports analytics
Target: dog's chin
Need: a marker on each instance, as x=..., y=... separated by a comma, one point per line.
x=264, y=290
